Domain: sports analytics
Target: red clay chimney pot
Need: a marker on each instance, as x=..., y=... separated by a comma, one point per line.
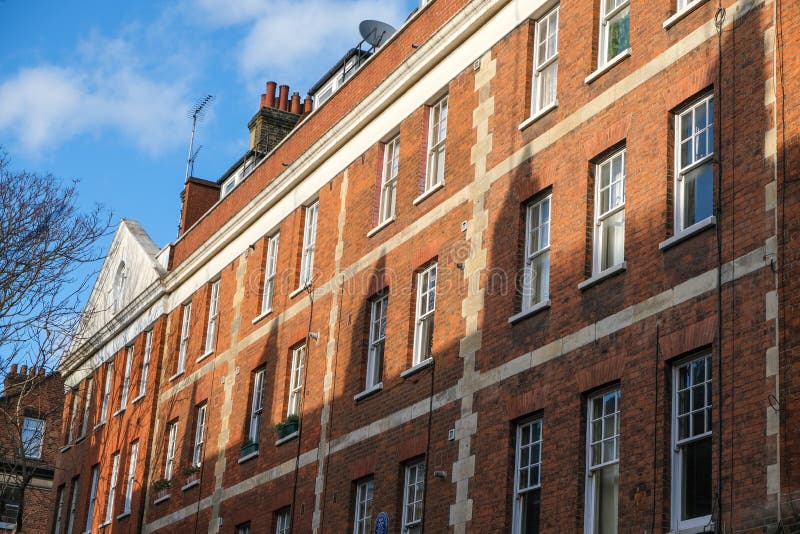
x=308, y=105
x=13, y=369
x=269, y=102
x=283, y=99
x=295, y=103
x=23, y=370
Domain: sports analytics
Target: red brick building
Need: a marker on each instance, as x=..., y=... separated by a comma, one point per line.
x=530, y=268
x=30, y=426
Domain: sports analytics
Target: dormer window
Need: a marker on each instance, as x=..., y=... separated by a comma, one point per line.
x=119, y=287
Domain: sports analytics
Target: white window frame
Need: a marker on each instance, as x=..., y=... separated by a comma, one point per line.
x=32, y=437
x=437, y=137
x=199, y=436
x=697, y=160
x=546, y=31
x=184, y=342
x=126, y=380
x=296, y=381
x=213, y=314
x=413, y=497
x=309, y=245
x=106, y=391
x=592, y=479
x=133, y=457
x=72, y=416
x=536, y=282
x=528, y=477
x=92, y=497
x=362, y=516
x=678, y=443
x=283, y=521
x=684, y=5
x=605, y=214
x=377, y=339
x=256, y=405
x=87, y=406
x=148, y=347
x=118, y=289
x=605, y=19
x=59, y=510
x=73, y=504
x=243, y=529
x=425, y=307
x=391, y=164
x=112, y=489
x=172, y=438
x=270, y=270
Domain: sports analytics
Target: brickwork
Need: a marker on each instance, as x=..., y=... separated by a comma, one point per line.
x=713, y=289
x=27, y=477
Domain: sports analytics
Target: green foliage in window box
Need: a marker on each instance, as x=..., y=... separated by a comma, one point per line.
x=287, y=426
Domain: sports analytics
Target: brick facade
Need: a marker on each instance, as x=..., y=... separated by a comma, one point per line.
x=493, y=364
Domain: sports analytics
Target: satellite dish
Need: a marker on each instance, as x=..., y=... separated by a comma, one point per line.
x=375, y=32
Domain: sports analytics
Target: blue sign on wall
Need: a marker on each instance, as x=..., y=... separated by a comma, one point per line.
x=382, y=523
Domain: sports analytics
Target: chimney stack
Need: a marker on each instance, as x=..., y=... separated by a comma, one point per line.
x=278, y=115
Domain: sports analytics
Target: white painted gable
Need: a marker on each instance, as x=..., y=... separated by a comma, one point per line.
x=131, y=266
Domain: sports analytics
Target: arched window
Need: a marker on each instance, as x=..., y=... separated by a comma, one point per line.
x=119, y=286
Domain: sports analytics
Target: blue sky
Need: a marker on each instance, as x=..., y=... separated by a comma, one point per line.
x=99, y=91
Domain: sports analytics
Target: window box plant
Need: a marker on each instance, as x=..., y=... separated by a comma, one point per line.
x=248, y=447
x=161, y=488
x=287, y=426
x=192, y=473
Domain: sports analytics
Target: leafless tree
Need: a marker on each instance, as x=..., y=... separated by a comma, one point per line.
x=48, y=258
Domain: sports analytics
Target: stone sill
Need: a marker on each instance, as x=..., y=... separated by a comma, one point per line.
x=599, y=277
x=538, y=115
x=204, y=356
x=686, y=233
x=671, y=21
x=118, y=412
x=299, y=290
x=99, y=425
x=190, y=485
x=162, y=499
x=428, y=193
x=290, y=437
x=261, y=316
x=536, y=308
x=65, y=448
x=176, y=375
x=368, y=392
x=381, y=226
x=424, y=364
x=137, y=399
x=250, y=456
x=608, y=66
x=123, y=515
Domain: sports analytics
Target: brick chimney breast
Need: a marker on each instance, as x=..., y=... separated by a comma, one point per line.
x=274, y=120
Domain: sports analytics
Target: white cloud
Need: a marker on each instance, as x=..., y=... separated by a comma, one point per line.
x=105, y=92
x=286, y=37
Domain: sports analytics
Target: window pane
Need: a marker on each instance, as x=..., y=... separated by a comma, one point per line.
x=606, y=499
x=618, y=33
x=696, y=479
x=698, y=194
x=612, y=245
x=530, y=504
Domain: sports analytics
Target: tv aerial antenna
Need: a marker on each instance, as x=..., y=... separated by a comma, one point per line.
x=196, y=113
